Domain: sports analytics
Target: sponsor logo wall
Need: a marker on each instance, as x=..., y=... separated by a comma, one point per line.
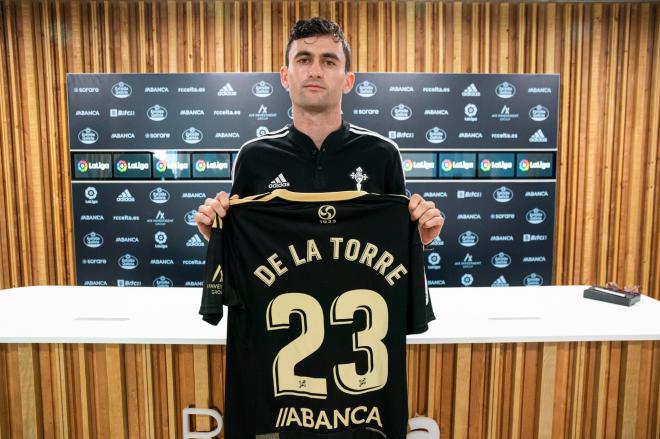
x=138, y=234
x=146, y=149
x=496, y=233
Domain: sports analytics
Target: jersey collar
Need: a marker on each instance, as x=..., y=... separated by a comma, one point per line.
x=334, y=139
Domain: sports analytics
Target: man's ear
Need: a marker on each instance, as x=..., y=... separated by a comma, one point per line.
x=348, y=82
x=284, y=77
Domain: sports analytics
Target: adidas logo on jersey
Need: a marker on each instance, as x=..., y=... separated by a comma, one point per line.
x=125, y=197
x=278, y=182
x=195, y=241
x=538, y=137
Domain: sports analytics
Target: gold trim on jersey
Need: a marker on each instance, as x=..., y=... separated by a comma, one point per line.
x=303, y=196
x=284, y=194
x=217, y=222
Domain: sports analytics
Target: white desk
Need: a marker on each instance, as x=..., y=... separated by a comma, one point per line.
x=51, y=314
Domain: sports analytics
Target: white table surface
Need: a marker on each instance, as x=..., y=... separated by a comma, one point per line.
x=65, y=314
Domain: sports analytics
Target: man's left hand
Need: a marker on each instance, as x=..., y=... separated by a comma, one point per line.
x=430, y=220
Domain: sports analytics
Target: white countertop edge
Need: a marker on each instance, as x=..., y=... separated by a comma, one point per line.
x=416, y=340
x=534, y=339
x=110, y=340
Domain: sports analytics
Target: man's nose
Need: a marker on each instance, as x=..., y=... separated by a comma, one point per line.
x=315, y=70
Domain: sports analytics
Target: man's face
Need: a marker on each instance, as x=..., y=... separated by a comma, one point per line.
x=316, y=76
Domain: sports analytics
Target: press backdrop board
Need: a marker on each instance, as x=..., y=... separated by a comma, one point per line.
x=147, y=149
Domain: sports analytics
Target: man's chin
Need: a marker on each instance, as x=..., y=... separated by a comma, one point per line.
x=313, y=108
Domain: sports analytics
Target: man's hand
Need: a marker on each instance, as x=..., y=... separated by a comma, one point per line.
x=207, y=211
x=430, y=221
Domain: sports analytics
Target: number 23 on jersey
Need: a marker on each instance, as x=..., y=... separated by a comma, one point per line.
x=346, y=377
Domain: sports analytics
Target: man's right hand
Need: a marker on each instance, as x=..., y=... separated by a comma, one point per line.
x=207, y=211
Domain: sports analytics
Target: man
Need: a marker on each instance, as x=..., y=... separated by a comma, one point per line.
x=319, y=152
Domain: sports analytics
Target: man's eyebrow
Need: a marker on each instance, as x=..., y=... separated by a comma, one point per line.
x=323, y=55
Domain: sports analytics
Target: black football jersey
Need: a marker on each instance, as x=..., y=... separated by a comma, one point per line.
x=350, y=158
x=321, y=289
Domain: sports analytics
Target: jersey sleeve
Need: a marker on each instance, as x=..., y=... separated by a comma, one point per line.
x=240, y=184
x=397, y=181
x=420, y=309
x=217, y=289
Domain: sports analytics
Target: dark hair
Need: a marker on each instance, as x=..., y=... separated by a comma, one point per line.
x=318, y=26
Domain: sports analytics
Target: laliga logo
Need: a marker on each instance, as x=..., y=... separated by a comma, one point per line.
x=327, y=214
x=121, y=166
x=91, y=193
x=160, y=237
x=83, y=166
x=161, y=166
x=485, y=165
x=407, y=165
x=447, y=165
x=262, y=131
x=200, y=165
x=471, y=110
x=524, y=165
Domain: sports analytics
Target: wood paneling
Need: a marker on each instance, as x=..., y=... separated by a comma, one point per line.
x=595, y=389
x=609, y=136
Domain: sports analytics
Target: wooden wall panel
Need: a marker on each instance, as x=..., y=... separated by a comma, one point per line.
x=554, y=390
x=609, y=123
x=607, y=201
